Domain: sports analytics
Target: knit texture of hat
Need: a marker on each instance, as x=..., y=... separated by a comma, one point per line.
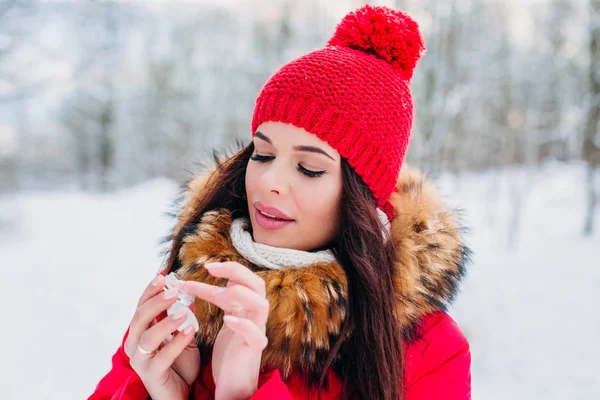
x=354, y=94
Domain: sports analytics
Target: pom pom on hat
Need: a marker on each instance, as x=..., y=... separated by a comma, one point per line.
x=388, y=34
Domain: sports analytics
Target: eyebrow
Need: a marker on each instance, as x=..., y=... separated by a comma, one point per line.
x=311, y=149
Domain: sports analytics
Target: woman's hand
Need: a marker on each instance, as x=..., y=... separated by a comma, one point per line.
x=237, y=351
x=167, y=364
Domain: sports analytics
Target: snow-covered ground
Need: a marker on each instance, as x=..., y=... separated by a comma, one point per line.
x=75, y=264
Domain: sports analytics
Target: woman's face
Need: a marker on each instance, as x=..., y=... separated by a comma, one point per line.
x=294, y=188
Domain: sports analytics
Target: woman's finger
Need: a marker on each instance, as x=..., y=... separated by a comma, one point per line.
x=157, y=334
x=253, y=336
x=129, y=345
x=231, y=298
x=154, y=287
x=201, y=290
x=181, y=363
x=238, y=273
x=145, y=314
x=170, y=351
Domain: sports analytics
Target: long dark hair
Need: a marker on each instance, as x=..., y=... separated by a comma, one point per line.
x=370, y=342
x=373, y=366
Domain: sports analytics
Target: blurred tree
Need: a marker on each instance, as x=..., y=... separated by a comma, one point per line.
x=15, y=15
x=591, y=142
x=15, y=85
x=89, y=119
x=89, y=112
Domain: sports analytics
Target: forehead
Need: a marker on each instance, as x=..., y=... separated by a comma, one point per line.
x=288, y=135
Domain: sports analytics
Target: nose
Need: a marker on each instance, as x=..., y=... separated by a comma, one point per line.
x=274, y=180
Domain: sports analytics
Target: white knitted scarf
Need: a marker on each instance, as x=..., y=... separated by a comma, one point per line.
x=272, y=257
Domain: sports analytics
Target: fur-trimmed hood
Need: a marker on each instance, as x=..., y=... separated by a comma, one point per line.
x=308, y=304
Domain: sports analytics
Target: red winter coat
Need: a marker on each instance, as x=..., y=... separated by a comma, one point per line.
x=431, y=257
x=437, y=367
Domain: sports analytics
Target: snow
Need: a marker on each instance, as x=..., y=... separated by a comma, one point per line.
x=75, y=264
x=530, y=311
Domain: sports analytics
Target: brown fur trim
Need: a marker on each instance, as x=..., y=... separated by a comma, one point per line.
x=431, y=254
x=308, y=304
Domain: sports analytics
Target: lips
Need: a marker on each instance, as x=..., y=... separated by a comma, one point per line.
x=270, y=218
x=271, y=212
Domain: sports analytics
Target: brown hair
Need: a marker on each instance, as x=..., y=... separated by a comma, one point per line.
x=373, y=367
x=370, y=341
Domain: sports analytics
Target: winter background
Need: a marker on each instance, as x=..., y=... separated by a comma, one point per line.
x=106, y=107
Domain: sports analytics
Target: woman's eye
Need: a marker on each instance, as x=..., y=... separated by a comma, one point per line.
x=259, y=158
x=309, y=173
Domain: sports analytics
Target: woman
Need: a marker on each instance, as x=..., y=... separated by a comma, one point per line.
x=320, y=270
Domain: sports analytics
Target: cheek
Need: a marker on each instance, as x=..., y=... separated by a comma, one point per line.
x=317, y=207
x=250, y=179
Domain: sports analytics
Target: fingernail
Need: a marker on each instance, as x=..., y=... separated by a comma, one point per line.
x=188, y=329
x=212, y=266
x=156, y=280
x=231, y=318
x=169, y=294
x=219, y=291
x=179, y=313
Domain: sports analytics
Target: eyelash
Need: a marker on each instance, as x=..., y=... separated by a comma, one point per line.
x=301, y=169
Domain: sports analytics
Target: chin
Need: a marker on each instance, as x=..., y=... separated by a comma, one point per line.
x=277, y=238
x=271, y=238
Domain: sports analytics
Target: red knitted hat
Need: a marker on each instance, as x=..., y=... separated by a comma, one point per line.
x=354, y=94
